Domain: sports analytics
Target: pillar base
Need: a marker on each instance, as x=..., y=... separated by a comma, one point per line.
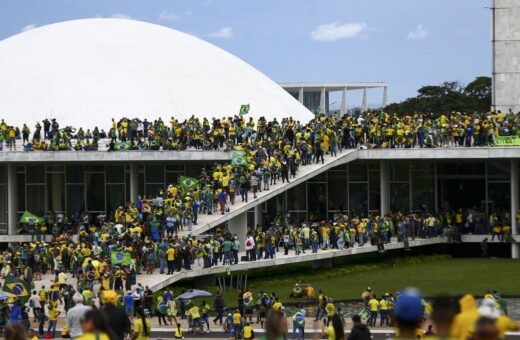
x=515, y=251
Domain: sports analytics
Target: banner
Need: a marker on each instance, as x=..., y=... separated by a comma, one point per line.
x=239, y=160
x=244, y=109
x=188, y=182
x=121, y=258
x=17, y=287
x=508, y=141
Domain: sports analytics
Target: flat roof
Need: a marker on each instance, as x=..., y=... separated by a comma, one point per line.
x=331, y=86
x=454, y=153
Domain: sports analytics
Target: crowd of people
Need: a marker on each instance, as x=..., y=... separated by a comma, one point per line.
x=407, y=311
x=368, y=129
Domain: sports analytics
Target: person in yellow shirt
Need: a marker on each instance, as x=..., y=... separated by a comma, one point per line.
x=330, y=309
x=170, y=258
x=248, y=332
x=53, y=319
x=373, y=306
x=94, y=326
x=142, y=326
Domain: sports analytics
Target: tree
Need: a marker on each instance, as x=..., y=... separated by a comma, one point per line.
x=448, y=97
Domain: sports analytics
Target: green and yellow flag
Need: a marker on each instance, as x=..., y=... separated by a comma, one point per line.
x=188, y=182
x=121, y=258
x=17, y=287
x=239, y=160
x=244, y=109
x=122, y=146
x=30, y=218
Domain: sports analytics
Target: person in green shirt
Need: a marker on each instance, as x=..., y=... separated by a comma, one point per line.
x=227, y=247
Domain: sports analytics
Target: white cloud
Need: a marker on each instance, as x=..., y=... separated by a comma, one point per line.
x=419, y=33
x=168, y=15
x=223, y=33
x=28, y=27
x=335, y=30
x=121, y=16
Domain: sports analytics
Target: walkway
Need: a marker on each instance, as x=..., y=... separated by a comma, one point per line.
x=207, y=222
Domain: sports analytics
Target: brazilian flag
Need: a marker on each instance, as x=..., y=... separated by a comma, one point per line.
x=239, y=160
x=122, y=258
x=17, y=287
x=122, y=146
x=244, y=109
x=188, y=182
x=29, y=218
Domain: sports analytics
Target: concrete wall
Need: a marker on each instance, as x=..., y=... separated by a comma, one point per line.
x=506, y=55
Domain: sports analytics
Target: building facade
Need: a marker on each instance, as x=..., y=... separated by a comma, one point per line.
x=506, y=55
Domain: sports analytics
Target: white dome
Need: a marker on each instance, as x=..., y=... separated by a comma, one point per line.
x=84, y=72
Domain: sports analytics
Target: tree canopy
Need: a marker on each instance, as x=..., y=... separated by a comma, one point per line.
x=447, y=97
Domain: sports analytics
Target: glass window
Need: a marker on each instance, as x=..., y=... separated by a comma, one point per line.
x=36, y=199
x=499, y=197
x=317, y=200
x=56, y=168
x=35, y=174
x=296, y=197
x=75, y=198
x=115, y=196
x=75, y=174
x=399, y=172
x=95, y=187
x=95, y=168
x=375, y=191
x=177, y=168
x=20, y=191
x=338, y=191
x=423, y=191
x=3, y=174
x=358, y=197
x=56, y=191
x=153, y=189
x=358, y=172
x=319, y=178
x=154, y=173
x=399, y=196
x=3, y=203
x=499, y=170
x=172, y=177
x=461, y=168
x=115, y=173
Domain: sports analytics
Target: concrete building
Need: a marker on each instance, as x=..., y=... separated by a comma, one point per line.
x=315, y=96
x=358, y=181
x=506, y=55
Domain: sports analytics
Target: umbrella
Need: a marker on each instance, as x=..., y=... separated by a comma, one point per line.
x=192, y=294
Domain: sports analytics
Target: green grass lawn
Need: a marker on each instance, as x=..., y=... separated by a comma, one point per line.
x=438, y=276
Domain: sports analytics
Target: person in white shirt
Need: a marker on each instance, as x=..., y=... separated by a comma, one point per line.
x=75, y=315
x=34, y=303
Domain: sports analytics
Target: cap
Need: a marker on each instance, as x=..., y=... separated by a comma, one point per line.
x=409, y=306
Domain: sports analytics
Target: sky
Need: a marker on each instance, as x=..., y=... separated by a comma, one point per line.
x=407, y=43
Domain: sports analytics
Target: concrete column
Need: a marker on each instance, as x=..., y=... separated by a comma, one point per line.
x=134, y=182
x=344, y=102
x=12, y=200
x=238, y=225
x=385, y=96
x=259, y=217
x=300, y=95
x=384, y=178
x=515, y=247
x=323, y=100
x=364, y=107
